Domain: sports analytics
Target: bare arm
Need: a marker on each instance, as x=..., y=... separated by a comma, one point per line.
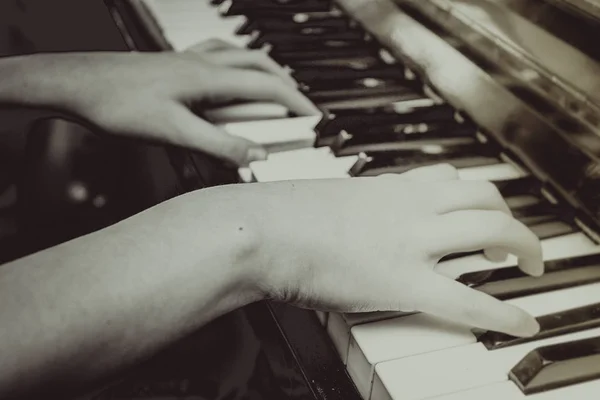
x=150, y=95
x=119, y=295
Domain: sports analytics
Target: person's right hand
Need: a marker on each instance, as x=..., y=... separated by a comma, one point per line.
x=371, y=244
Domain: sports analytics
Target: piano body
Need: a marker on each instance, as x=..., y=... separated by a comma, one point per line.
x=506, y=91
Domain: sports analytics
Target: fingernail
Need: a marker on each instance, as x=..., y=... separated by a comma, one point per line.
x=529, y=328
x=532, y=267
x=257, y=154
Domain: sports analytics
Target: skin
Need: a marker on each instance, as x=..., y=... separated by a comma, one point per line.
x=138, y=95
x=121, y=294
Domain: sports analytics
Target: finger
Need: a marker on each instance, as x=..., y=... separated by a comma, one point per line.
x=195, y=133
x=210, y=45
x=468, y=195
x=480, y=195
x=465, y=231
x=258, y=60
x=454, y=301
x=495, y=254
x=231, y=84
x=434, y=173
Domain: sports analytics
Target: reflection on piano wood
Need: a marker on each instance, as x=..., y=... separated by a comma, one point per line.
x=415, y=83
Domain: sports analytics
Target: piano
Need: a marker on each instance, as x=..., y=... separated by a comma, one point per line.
x=504, y=90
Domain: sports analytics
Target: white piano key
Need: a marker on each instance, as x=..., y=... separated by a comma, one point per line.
x=491, y=173
x=289, y=158
x=317, y=168
x=246, y=112
x=245, y=174
x=408, y=336
x=339, y=327
x=182, y=39
x=457, y=369
x=300, y=155
x=184, y=24
x=277, y=133
x=323, y=317
x=306, y=163
x=572, y=245
x=509, y=391
x=391, y=339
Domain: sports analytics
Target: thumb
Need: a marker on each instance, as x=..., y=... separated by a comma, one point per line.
x=195, y=133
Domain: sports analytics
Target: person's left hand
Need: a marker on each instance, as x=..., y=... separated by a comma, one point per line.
x=220, y=52
x=151, y=95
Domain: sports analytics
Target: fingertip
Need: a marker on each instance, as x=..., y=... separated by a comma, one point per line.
x=289, y=79
x=257, y=154
x=526, y=326
x=447, y=170
x=496, y=255
x=308, y=109
x=531, y=267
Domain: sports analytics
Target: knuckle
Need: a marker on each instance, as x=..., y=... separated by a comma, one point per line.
x=447, y=168
x=258, y=55
x=215, y=42
x=488, y=189
x=498, y=223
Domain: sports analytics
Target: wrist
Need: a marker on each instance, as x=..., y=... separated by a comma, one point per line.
x=223, y=231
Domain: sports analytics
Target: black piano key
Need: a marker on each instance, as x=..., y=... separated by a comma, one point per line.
x=310, y=39
x=358, y=88
x=416, y=111
x=551, y=229
x=551, y=325
x=529, y=203
x=357, y=137
x=407, y=147
x=543, y=226
x=520, y=201
x=357, y=62
x=508, y=283
x=326, y=77
x=265, y=7
x=365, y=83
x=519, y=187
x=557, y=366
x=536, y=220
x=324, y=51
x=535, y=210
x=399, y=168
x=331, y=21
x=460, y=156
x=372, y=101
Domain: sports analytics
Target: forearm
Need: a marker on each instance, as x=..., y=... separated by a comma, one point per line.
x=111, y=298
x=58, y=82
x=20, y=81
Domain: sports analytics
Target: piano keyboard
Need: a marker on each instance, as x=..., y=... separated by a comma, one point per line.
x=379, y=118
